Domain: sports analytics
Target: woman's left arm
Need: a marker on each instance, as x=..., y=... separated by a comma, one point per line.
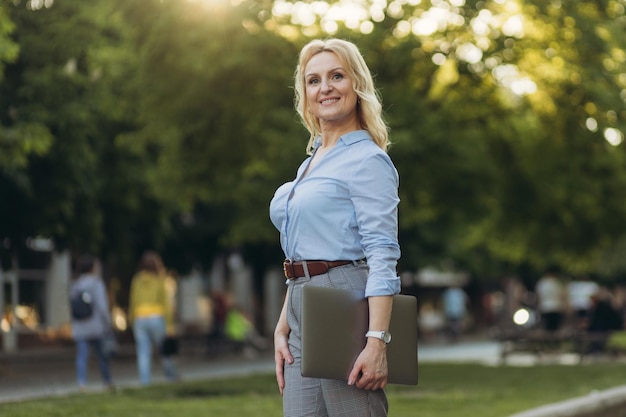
x=374, y=192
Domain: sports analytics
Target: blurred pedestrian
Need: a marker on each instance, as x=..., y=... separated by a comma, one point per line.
x=170, y=345
x=455, y=303
x=580, y=292
x=219, y=308
x=90, y=319
x=552, y=300
x=151, y=315
x=239, y=328
x=604, y=318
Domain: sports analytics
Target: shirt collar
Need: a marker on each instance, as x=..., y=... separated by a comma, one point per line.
x=349, y=138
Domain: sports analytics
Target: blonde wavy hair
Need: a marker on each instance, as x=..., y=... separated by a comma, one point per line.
x=369, y=105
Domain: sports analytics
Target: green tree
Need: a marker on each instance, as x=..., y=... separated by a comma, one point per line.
x=215, y=102
x=67, y=87
x=169, y=124
x=18, y=138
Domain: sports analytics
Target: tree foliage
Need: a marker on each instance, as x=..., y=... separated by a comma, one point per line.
x=168, y=124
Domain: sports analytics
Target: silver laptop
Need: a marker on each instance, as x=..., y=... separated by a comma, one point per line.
x=334, y=323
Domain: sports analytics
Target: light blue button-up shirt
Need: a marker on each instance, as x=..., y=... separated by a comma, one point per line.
x=345, y=208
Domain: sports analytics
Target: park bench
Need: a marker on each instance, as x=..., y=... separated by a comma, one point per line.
x=541, y=342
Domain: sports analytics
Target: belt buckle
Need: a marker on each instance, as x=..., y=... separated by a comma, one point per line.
x=288, y=268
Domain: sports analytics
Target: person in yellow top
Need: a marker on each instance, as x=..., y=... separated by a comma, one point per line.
x=151, y=315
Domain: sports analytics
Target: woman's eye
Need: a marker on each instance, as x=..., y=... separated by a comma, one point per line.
x=313, y=81
x=337, y=77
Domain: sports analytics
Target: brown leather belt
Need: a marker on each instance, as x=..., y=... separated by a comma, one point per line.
x=295, y=270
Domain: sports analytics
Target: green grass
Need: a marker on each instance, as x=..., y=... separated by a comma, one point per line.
x=445, y=390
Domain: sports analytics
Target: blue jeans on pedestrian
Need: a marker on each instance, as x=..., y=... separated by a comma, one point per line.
x=149, y=332
x=82, y=360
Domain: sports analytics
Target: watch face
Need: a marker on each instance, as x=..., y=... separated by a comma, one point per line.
x=386, y=337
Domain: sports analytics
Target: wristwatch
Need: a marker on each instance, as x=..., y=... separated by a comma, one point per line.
x=382, y=335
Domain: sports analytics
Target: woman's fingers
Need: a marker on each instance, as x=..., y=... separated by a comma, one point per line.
x=281, y=355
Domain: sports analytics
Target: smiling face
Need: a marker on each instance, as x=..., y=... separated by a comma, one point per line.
x=329, y=92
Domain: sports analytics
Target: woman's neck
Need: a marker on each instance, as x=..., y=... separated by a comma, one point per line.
x=332, y=132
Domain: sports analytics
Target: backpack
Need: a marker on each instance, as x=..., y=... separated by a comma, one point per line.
x=81, y=307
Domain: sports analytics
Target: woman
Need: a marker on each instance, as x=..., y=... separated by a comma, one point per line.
x=90, y=329
x=341, y=208
x=151, y=314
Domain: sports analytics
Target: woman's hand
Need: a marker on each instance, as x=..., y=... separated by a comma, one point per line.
x=281, y=355
x=370, y=369
x=281, y=346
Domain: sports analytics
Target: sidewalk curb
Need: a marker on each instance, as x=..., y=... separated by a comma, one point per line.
x=608, y=403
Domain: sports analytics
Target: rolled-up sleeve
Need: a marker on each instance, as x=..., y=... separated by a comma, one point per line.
x=374, y=193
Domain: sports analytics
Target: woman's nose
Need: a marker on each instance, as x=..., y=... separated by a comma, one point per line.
x=326, y=86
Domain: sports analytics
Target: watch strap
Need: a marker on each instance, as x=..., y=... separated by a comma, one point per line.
x=378, y=334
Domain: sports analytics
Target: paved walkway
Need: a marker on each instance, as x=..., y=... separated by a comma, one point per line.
x=35, y=374
x=32, y=374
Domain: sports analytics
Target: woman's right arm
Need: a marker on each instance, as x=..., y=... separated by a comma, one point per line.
x=281, y=346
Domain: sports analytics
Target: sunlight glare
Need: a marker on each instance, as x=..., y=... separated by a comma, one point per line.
x=39, y=4
x=395, y=10
x=439, y=59
x=301, y=14
x=351, y=14
x=469, y=53
x=355, y=15
x=480, y=26
x=508, y=76
x=366, y=27
x=614, y=136
x=402, y=29
x=320, y=8
x=424, y=27
x=514, y=26
x=492, y=62
x=591, y=124
x=377, y=12
x=523, y=86
x=281, y=8
x=330, y=26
